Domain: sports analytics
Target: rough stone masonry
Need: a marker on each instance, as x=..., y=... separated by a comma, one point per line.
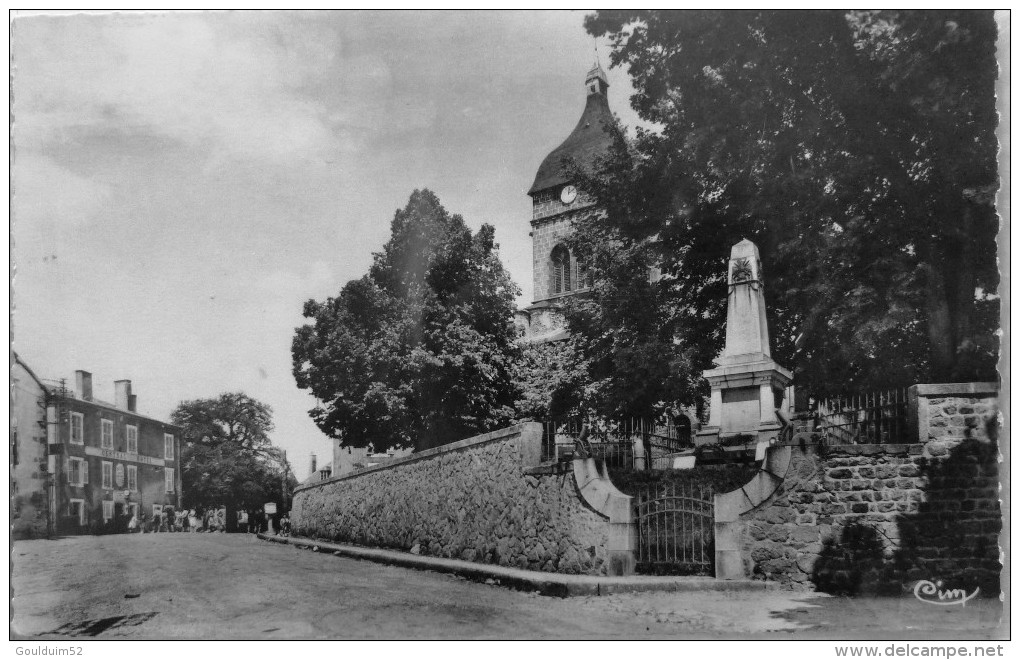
x=473, y=500
x=878, y=518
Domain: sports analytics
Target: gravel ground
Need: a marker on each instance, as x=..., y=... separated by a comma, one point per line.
x=233, y=586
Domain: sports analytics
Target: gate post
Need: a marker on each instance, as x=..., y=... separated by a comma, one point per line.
x=601, y=495
x=729, y=561
x=729, y=564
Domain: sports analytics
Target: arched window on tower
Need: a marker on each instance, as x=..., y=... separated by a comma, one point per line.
x=561, y=270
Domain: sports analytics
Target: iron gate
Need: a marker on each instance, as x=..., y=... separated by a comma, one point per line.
x=675, y=524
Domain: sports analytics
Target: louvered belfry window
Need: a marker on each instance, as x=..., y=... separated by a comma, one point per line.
x=583, y=278
x=561, y=270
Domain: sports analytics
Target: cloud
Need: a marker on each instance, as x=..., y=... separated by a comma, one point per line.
x=35, y=178
x=232, y=85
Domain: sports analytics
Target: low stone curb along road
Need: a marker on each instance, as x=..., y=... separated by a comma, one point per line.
x=546, y=584
x=235, y=586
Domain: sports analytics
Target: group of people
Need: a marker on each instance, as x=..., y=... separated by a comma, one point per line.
x=202, y=519
x=168, y=520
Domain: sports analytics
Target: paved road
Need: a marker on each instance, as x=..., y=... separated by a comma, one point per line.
x=225, y=586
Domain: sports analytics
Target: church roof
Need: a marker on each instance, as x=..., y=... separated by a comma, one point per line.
x=592, y=136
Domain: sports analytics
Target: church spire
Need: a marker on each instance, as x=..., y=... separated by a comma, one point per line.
x=593, y=135
x=596, y=80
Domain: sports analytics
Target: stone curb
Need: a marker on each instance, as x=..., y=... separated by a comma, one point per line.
x=547, y=584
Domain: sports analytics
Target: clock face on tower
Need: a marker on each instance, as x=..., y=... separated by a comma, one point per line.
x=568, y=194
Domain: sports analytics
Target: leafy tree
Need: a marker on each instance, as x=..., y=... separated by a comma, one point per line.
x=421, y=350
x=856, y=149
x=227, y=457
x=554, y=380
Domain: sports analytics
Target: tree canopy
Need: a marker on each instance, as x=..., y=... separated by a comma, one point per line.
x=554, y=381
x=227, y=457
x=856, y=149
x=421, y=350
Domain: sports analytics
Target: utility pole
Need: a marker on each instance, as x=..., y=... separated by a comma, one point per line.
x=283, y=484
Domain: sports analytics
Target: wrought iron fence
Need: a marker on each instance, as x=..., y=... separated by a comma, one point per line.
x=864, y=418
x=675, y=524
x=619, y=443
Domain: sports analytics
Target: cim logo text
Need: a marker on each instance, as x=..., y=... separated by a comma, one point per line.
x=933, y=594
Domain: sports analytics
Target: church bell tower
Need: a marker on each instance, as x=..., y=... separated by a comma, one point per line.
x=556, y=204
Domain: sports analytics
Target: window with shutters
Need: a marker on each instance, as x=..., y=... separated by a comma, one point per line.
x=107, y=474
x=107, y=510
x=77, y=422
x=132, y=477
x=168, y=446
x=560, y=270
x=106, y=441
x=132, y=439
x=169, y=476
x=77, y=471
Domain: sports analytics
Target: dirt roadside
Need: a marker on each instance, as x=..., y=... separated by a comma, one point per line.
x=232, y=586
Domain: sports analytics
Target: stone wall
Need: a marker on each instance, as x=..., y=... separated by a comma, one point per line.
x=546, y=203
x=952, y=411
x=480, y=499
x=878, y=518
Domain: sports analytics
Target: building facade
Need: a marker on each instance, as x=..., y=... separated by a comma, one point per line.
x=556, y=204
x=348, y=459
x=107, y=461
x=29, y=464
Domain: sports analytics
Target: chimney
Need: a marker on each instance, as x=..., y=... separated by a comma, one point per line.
x=83, y=383
x=122, y=388
x=311, y=469
x=132, y=403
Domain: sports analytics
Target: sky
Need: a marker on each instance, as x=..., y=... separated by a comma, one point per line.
x=182, y=183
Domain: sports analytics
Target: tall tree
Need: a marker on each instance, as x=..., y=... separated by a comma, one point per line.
x=227, y=457
x=420, y=351
x=856, y=149
x=555, y=381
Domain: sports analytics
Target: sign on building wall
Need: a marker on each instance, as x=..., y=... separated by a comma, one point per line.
x=124, y=456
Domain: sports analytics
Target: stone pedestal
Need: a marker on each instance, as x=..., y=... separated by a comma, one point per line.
x=747, y=384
